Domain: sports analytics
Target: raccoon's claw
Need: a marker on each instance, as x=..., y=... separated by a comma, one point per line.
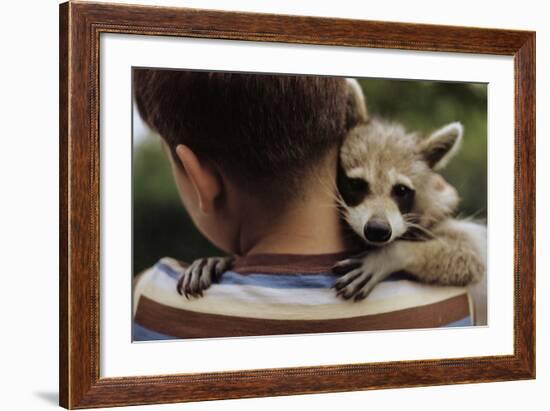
x=201, y=274
x=357, y=284
x=345, y=280
x=361, y=274
x=362, y=285
x=351, y=283
x=344, y=266
x=365, y=289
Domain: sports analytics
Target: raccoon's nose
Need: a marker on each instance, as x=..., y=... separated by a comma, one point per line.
x=377, y=230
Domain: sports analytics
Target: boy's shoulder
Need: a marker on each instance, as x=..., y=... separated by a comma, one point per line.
x=169, y=266
x=264, y=298
x=158, y=281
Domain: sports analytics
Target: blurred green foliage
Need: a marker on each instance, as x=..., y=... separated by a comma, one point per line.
x=163, y=228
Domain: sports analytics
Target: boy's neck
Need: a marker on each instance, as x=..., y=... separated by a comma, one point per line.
x=311, y=226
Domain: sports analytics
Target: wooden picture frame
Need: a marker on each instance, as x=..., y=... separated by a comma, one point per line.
x=80, y=27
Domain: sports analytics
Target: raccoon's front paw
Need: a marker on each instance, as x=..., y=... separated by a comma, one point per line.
x=360, y=277
x=201, y=274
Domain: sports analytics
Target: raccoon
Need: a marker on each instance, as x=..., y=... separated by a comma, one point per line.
x=392, y=197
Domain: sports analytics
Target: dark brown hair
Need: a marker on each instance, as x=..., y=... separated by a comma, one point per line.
x=267, y=131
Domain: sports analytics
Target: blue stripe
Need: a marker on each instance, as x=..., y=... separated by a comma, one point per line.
x=279, y=280
x=166, y=269
x=465, y=322
x=140, y=333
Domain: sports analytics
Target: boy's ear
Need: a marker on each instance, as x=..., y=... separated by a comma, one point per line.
x=203, y=177
x=356, y=111
x=441, y=145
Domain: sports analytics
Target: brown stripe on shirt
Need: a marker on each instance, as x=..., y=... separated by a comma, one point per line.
x=288, y=263
x=190, y=324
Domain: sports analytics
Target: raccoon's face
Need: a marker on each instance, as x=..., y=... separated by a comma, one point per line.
x=377, y=205
x=387, y=183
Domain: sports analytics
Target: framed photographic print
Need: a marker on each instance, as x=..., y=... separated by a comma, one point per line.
x=259, y=205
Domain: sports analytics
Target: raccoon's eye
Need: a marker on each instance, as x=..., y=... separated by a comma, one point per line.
x=401, y=190
x=352, y=190
x=404, y=196
x=358, y=186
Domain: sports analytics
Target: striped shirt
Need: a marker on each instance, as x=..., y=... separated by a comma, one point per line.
x=276, y=294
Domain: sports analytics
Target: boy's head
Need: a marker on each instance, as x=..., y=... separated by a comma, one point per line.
x=263, y=137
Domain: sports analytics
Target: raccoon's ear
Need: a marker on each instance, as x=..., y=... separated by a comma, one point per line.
x=441, y=145
x=356, y=106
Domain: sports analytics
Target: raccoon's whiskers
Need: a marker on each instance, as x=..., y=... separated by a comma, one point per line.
x=329, y=187
x=415, y=218
x=411, y=217
x=429, y=233
x=424, y=230
x=332, y=192
x=472, y=217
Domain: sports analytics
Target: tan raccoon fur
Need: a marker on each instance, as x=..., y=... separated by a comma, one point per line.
x=392, y=197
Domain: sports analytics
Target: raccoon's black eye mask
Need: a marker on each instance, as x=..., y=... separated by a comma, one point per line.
x=404, y=197
x=352, y=190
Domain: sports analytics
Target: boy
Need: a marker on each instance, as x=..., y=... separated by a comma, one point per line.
x=254, y=158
